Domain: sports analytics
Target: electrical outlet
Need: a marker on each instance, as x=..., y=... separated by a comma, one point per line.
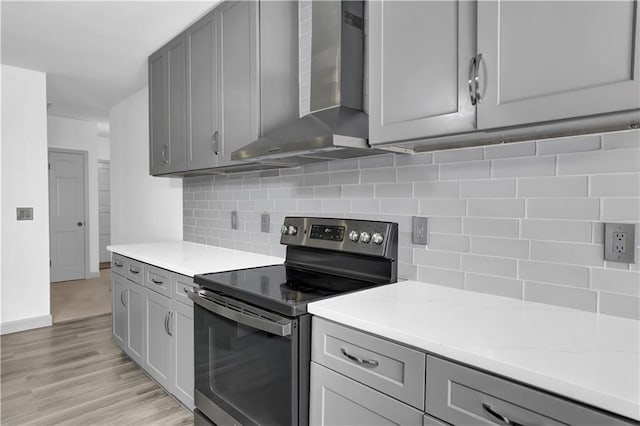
x=619, y=242
x=265, y=220
x=420, y=233
x=234, y=219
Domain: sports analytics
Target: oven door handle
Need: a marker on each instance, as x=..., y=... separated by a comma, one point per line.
x=267, y=321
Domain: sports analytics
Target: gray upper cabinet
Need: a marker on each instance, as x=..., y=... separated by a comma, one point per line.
x=548, y=60
x=238, y=79
x=419, y=56
x=167, y=107
x=202, y=93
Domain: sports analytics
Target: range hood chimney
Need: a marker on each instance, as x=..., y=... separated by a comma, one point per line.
x=335, y=126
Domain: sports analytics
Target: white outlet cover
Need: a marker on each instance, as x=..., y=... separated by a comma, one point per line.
x=610, y=242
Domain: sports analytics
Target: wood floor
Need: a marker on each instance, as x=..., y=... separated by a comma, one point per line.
x=73, y=374
x=71, y=300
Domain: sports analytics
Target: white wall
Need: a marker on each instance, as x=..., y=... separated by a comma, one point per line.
x=143, y=208
x=68, y=133
x=24, y=284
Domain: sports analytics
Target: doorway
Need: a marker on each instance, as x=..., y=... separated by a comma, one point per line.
x=68, y=212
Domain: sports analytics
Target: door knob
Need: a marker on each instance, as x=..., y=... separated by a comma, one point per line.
x=79, y=224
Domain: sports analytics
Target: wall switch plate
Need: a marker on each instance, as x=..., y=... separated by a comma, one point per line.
x=420, y=234
x=234, y=219
x=619, y=242
x=265, y=220
x=24, y=213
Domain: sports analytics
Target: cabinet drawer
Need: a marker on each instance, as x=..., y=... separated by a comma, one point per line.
x=181, y=285
x=158, y=280
x=134, y=270
x=118, y=264
x=462, y=395
x=391, y=368
x=337, y=400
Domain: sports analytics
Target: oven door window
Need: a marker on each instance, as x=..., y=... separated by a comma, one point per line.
x=245, y=371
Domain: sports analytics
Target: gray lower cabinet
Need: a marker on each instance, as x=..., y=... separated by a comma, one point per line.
x=338, y=400
x=119, y=314
x=182, y=359
x=158, y=341
x=135, y=346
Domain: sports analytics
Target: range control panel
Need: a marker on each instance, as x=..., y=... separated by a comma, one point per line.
x=352, y=235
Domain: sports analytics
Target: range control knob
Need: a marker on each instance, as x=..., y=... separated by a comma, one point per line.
x=377, y=238
x=354, y=236
x=293, y=230
x=365, y=237
x=284, y=229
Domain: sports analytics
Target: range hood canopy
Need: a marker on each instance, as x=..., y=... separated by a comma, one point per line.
x=336, y=126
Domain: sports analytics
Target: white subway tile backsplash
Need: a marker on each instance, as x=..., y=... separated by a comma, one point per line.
x=557, y=273
x=510, y=150
x=573, y=144
x=489, y=265
x=442, y=207
x=470, y=170
x=494, y=188
x=626, y=282
x=557, y=230
x=564, y=208
x=494, y=285
x=628, y=139
x=491, y=227
x=621, y=209
x=620, y=305
x=608, y=161
x=496, y=208
x=442, y=259
x=450, y=156
x=569, y=297
x=498, y=215
x=436, y=190
x=571, y=253
x=565, y=186
x=617, y=185
x=505, y=247
x=530, y=166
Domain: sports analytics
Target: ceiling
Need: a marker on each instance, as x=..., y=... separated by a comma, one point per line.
x=94, y=52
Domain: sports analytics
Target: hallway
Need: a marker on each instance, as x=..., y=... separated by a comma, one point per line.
x=71, y=300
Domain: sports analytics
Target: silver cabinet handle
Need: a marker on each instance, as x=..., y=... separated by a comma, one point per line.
x=122, y=299
x=473, y=71
x=477, y=78
x=134, y=270
x=369, y=363
x=164, y=154
x=166, y=323
x=214, y=142
x=186, y=290
x=159, y=282
x=170, y=324
x=499, y=416
x=118, y=264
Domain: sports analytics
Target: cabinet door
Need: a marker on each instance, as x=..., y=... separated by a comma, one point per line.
x=158, y=113
x=419, y=56
x=337, y=400
x=136, y=322
x=238, y=77
x=548, y=60
x=182, y=330
x=119, y=297
x=202, y=96
x=177, y=79
x=158, y=339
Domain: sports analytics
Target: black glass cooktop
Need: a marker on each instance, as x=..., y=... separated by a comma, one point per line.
x=280, y=288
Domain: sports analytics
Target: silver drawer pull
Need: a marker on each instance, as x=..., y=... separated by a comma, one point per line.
x=159, y=282
x=186, y=290
x=369, y=363
x=134, y=270
x=118, y=264
x=499, y=416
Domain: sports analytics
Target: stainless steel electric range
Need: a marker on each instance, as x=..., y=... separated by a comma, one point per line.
x=252, y=330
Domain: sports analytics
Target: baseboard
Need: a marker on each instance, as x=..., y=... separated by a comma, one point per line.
x=25, y=324
x=92, y=275
x=105, y=265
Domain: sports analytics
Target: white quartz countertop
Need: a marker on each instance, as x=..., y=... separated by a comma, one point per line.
x=587, y=357
x=188, y=258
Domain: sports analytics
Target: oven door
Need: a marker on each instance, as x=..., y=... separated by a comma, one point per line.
x=247, y=363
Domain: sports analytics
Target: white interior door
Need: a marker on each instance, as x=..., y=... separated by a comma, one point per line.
x=67, y=215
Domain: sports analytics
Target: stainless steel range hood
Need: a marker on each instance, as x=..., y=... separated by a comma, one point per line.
x=335, y=126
